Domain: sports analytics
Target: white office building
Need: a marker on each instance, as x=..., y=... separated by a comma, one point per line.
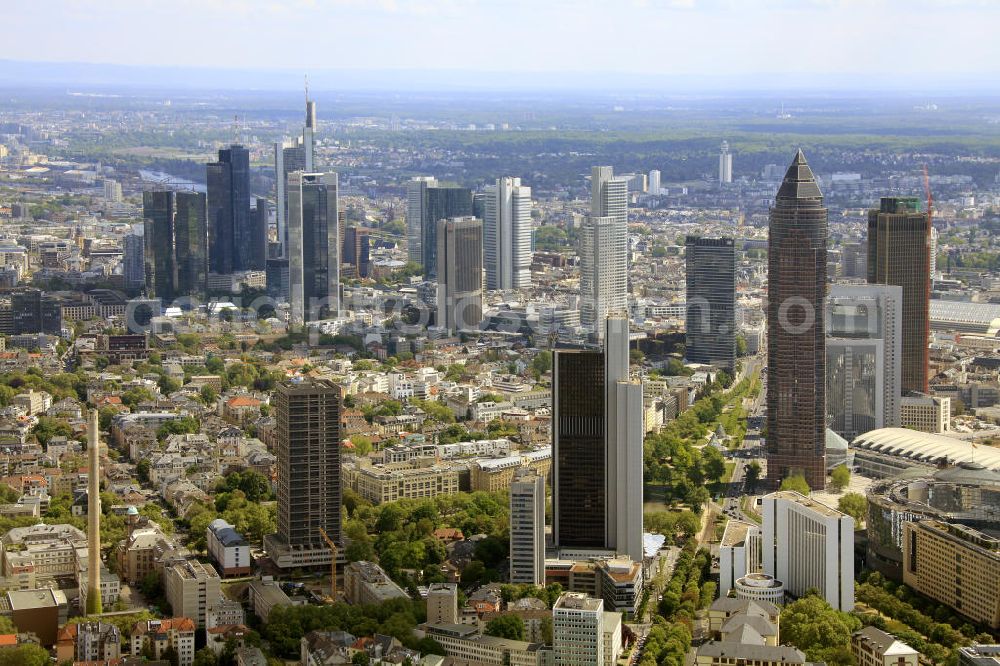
x=863, y=358
x=809, y=545
x=739, y=554
x=725, y=164
x=578, y=637
x=507, y=234
x=527, y=528
x=604, y=250
x=654, y=182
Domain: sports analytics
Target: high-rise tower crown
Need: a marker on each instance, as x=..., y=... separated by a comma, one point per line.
x=799, y=182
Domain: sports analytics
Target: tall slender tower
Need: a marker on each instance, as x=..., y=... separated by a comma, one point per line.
x=313, y=246
x=604, y=250
x=507, y=234
x=899, y=237
x=725, y=164
x=460, y=273
x=93, y=517
x=597, y=431
x=796, y=350
x=711, y=301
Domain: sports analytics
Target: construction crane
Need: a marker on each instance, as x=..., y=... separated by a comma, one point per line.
x=333, y=563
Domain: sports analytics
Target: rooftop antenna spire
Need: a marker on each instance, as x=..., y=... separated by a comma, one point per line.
x=306, y=77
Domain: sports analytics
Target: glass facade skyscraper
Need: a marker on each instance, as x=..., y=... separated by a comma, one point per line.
x=710, y=331
x=231, y=233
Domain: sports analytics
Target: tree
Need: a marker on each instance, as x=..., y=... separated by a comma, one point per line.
x=854, y=505
x=27, y=654
x=753, y=473
x=713, y=464
x=839, y=478
x=208, y=394
x=796, y=482
x=823, y=633
x=49, y=427
x=362, y=444
x=506, y=626
x=142, y=470
x=542, y=363
x=205, y=657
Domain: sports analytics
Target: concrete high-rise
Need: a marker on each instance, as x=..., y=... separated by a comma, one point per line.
x=507, y=234
x=654, y=182
x=133, y=269
x=863, y=353
x=527, y=529
x=604, y=250
x=459, y=273
x=309, y=477
x=94, y=606
x=710, y=330
x=313, y=246
x=578, y=631
x=230, y=231
x=899, y=253
x=725, y=164
x=175, y=250
x=796, y=350
x=597, y=435
x=808, y=545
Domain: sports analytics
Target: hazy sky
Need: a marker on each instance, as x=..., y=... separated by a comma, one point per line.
x=941, y=38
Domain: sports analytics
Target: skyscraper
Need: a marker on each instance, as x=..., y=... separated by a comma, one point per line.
x=230, y=233
x=597, y=439
x=357, y=250
x=710, y=332
x=289, y=156
x=725, y=164
x=190, y=244
x=899, y=254
x=258, y=237
x=175, y=244
x=527, y=529
x=863, y=353
x=313, y=246
x=796, y=351
x=507, y=234
x=414, y=219
x=309, y=479
x=439, y=203
x=460, y=273
x=604, y=250
x=133, y=270
x=654, y=182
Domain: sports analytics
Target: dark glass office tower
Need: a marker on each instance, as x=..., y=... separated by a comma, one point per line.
x=230, y=229
x=357, y=250
x=307, y=446
x=899, y=254
x=313, y=246
x=158, y=253
x=176, y=244
x=578, y=430
x=711, y=302
x=439, y=203
x=191, y=244
x=460, y=274
x=796, y=348
x=258, y=238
